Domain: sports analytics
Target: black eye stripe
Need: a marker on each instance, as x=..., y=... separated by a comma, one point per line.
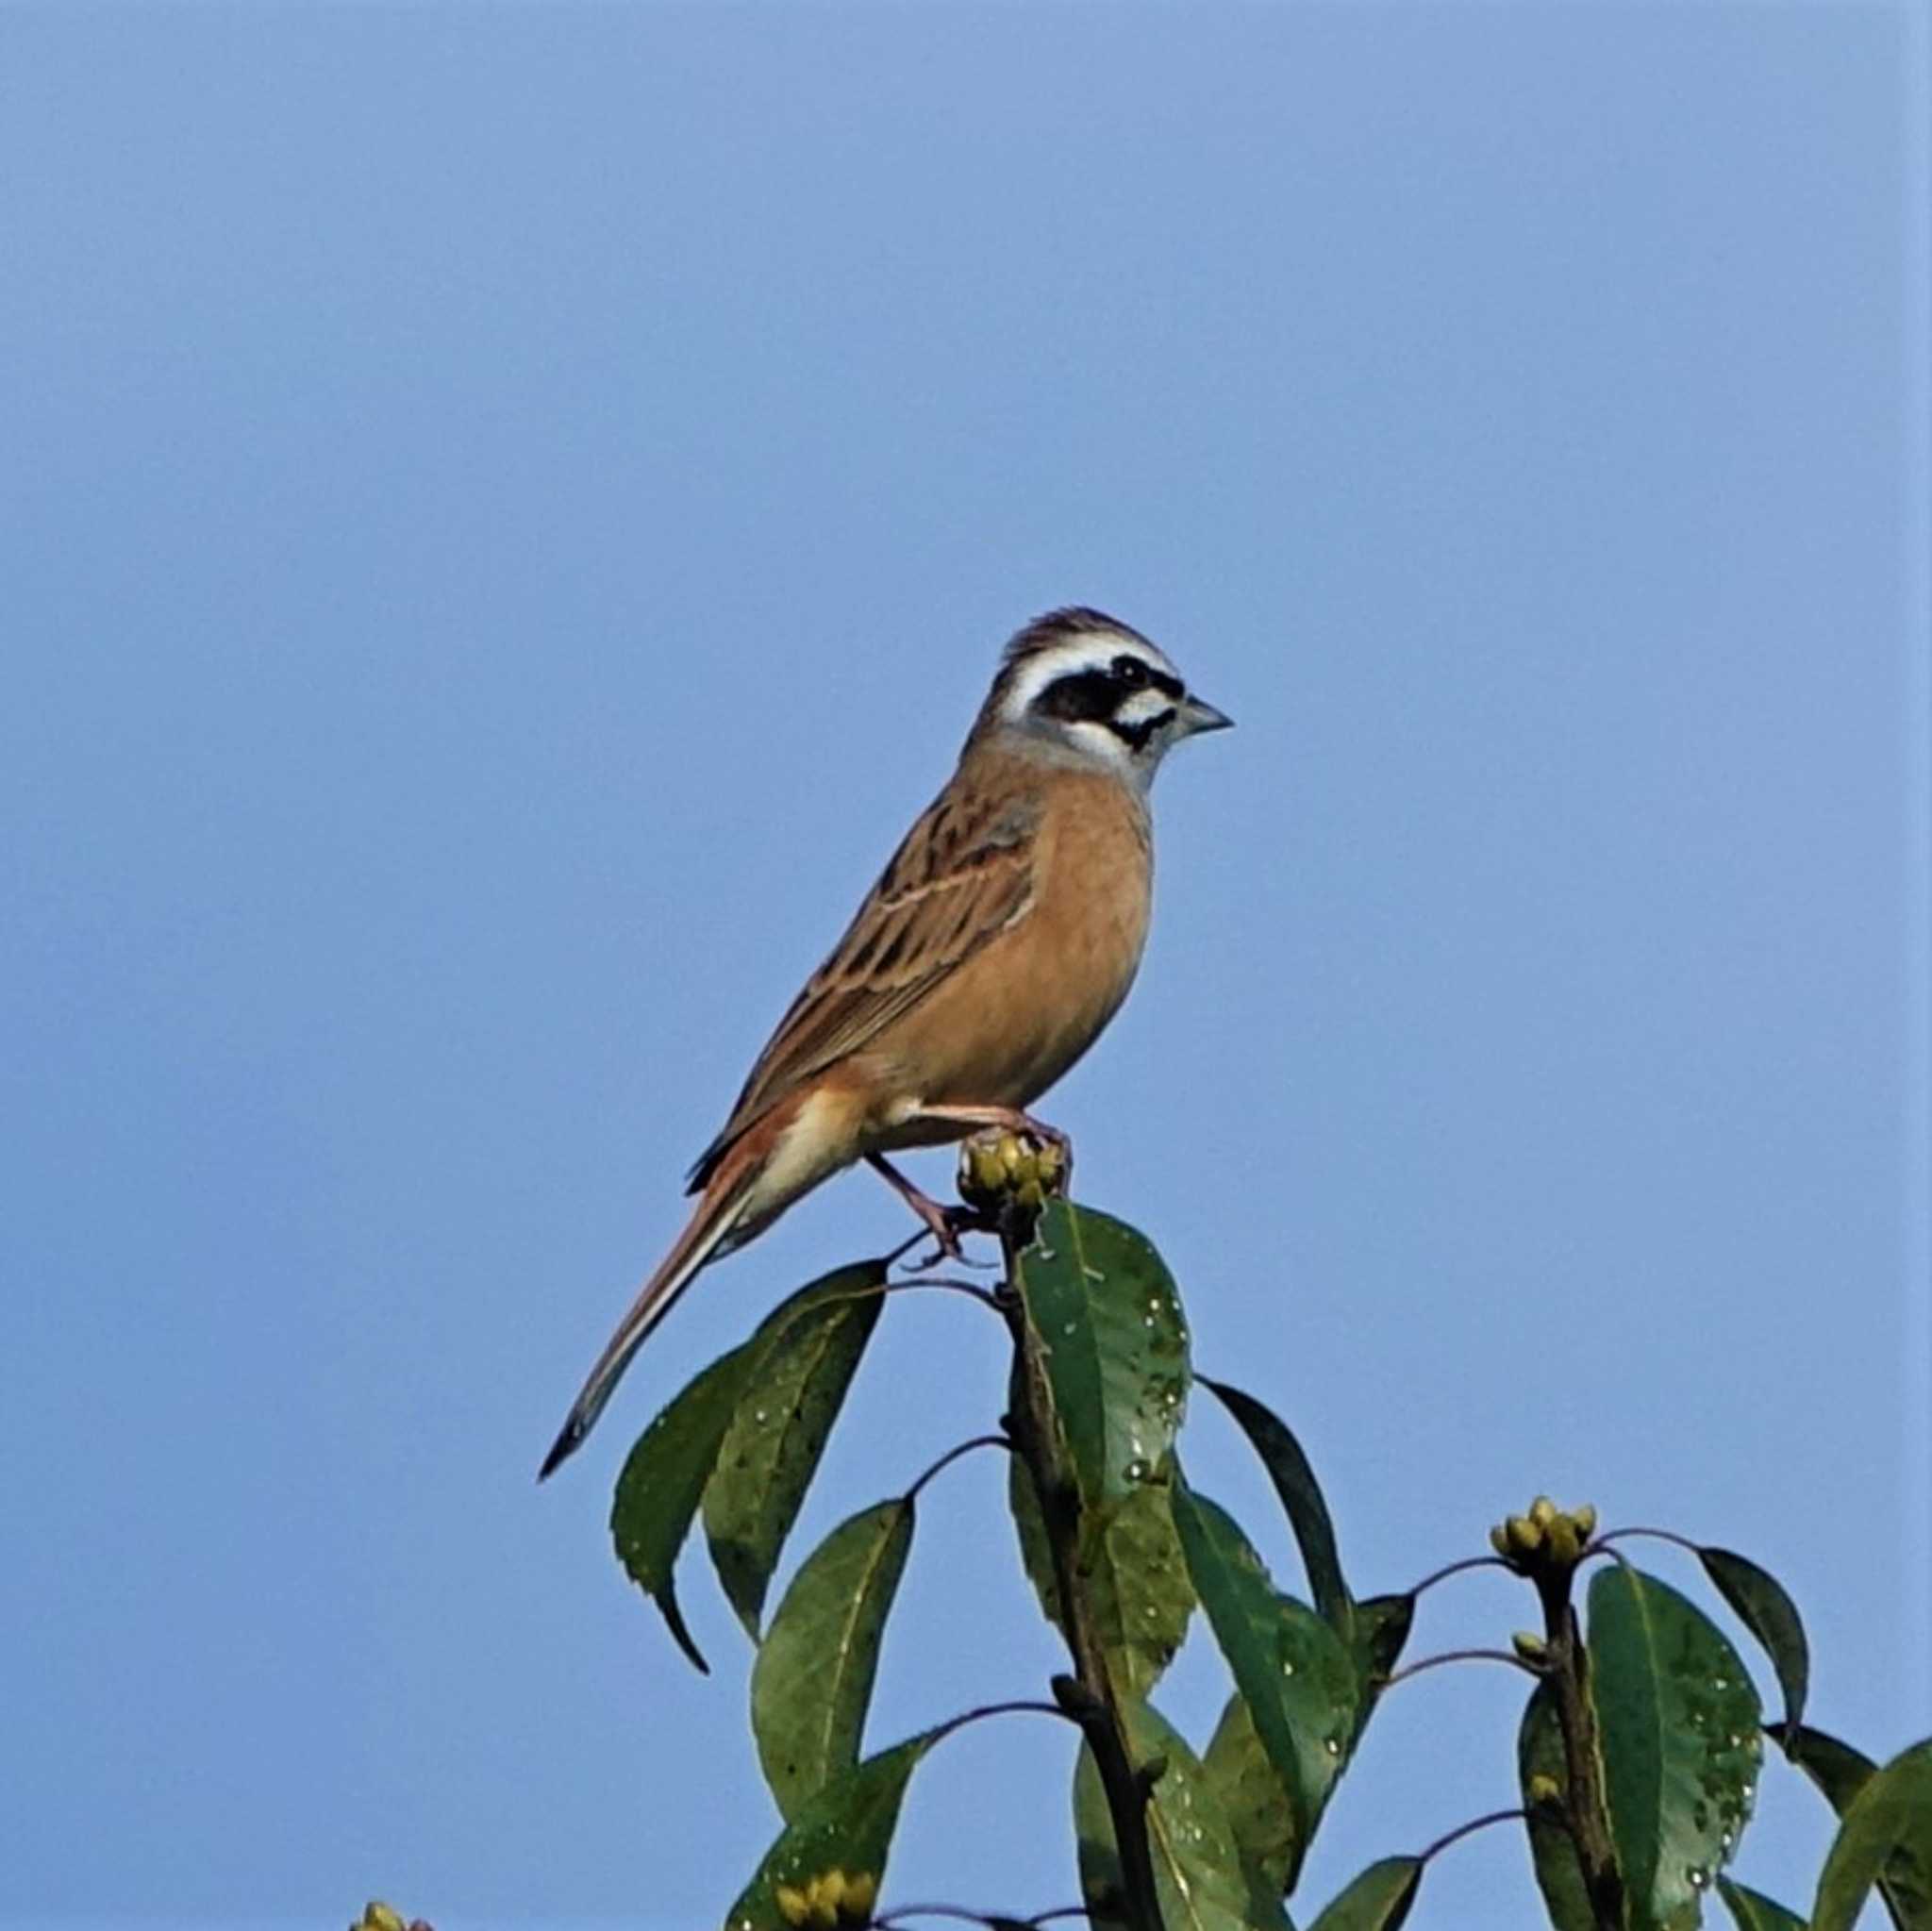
x=1136, y=736
x=1080, y=697
x=1094, y=697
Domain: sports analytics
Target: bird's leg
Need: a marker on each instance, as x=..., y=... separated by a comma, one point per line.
x=1013, y=1120
x=943, y=1223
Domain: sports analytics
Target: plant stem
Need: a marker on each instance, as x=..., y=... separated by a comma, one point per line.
x=1037, y=1442
x=1458, y=1655
x=913, y=1283
x=1653, y=1535
x=1449, y=1568
x=1469, y=1830
x=999, y=1710
x=1585, y=1800
x=953, y=1455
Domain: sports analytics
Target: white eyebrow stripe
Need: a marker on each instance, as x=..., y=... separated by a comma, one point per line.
x=1095, y=651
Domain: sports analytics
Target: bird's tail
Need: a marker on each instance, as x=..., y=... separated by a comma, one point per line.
x=716, y=1217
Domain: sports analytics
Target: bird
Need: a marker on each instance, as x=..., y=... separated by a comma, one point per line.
x=999, y=941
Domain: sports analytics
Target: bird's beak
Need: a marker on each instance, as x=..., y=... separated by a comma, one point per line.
x=1196, y=716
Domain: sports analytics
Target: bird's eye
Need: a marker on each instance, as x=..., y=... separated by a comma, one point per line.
x=1129, y=671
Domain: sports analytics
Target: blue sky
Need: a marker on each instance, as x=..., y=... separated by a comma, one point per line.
x=510, y=512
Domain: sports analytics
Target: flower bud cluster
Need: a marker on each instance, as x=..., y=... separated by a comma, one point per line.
x=999, y=1169
x=377, y=1915
x=1546, y=1541
x=830, y=1899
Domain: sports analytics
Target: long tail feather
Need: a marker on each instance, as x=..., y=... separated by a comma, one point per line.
x=716, y=1215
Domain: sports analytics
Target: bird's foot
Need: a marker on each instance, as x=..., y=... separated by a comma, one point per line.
x=944, y=1223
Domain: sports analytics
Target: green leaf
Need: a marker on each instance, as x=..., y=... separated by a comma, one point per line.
x=1678, y=1725
x=1558, y=1872
x=664, y=1476
x=1379, y=1628
x=1198, y=1866
x=1298, y=1680
x=1761, y=1605
x=1754, y=1911
x=1259, y=1811
x=848, y=1827
x=1114, y=1343
x=1135, y=1580
x=1836, y=1768
x=1841, y=1773
x=813, y=1682
x=804, y=1354
x=1301, y=1496
x=1378, y=1900
x=1886, y=1838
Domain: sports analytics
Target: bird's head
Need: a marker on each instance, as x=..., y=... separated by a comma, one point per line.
x=1084, y=686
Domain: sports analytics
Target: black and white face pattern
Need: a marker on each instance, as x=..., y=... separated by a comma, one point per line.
x=1101, y=690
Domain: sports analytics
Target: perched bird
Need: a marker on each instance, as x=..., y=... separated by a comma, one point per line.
x=999, y=941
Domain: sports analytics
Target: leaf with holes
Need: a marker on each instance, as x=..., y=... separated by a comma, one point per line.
x=1259, y=1811
x=804, y=1356
x=1137, y=1581
x=1751, y=1910
x=663, y=1477
x=1198, y=1866
x=848, y=1827
x=1301, y=1496
x=1379, y=1899
x=1378, y=1628
x=1539, y=1759
x=1678, y=1723
x=813, y=1682
x=1112, y=1343
x=1761, y=1605
x=1289, y=1666
x=1886, y=1838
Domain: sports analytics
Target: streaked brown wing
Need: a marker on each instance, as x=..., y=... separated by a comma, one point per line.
x=962, y=876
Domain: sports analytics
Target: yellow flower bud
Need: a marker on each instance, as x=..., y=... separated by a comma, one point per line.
x=861, y=1894
x=793, y=1906
x=1526, y=1533
x=1542, y=1511
x=1563, y=1545
x=1585, y=1521
x=377, y=1915
x=1543, y=1789
x=1499, y=1540
x=1529, y=1646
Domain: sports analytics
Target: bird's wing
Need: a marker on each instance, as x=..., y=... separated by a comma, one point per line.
x=962, y=876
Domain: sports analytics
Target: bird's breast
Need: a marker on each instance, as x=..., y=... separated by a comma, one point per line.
x=1016, y=1015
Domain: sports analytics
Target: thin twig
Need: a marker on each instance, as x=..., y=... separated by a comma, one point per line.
x=953, y=1455
x=1449, y=1568
x=1463, y=1830
x=1458, y=1656
x=1655, y=1535
x=946, y=1282
x=1025, y=1709
x=902, y=1914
